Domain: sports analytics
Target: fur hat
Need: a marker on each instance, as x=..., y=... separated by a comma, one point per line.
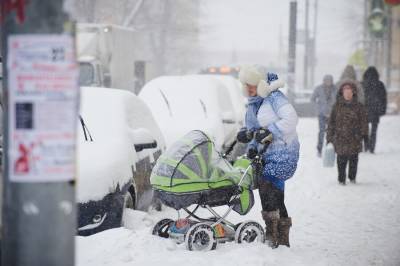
x=251, y=75
x=255, y=75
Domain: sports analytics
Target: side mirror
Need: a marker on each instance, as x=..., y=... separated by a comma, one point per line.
x=143, y=146
x=228, y=118
x=143, y=139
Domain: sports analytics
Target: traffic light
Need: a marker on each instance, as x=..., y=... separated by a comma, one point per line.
x=377, y=21
x=392, y=2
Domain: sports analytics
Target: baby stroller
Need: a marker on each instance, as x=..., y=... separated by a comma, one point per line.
x=192, y=172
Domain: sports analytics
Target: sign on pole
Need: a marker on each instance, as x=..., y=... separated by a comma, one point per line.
x=41, y=97
x=43, y=107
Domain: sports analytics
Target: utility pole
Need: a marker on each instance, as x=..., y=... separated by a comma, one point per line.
x=306, y=45
x=314, y=45
x=41, y=98
x=388, y=48
x=292, y=49
x=366, y=39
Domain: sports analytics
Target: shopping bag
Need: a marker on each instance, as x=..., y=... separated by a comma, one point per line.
x=328, y=156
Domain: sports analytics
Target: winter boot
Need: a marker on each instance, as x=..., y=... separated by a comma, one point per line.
x=283, y=229
x=271, y=227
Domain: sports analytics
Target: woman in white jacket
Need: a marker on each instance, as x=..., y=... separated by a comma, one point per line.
x=269, y=114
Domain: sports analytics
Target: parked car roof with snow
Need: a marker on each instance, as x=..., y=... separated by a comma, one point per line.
x=184, y=103
x=236, y=93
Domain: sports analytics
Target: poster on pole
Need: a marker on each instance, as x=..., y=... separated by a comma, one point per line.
x=43, y=107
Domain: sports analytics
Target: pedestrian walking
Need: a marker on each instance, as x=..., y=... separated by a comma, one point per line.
x=347, y=128
x=375, y=103
x=324, y=97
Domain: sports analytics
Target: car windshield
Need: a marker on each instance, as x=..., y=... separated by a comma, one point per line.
x=86, y=74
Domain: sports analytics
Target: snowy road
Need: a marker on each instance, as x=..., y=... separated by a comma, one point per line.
x=332, y=225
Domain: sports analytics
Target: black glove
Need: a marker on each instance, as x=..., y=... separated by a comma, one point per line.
x=252, y=153
x=263, y=136
x=366, y=143
x=244, y=135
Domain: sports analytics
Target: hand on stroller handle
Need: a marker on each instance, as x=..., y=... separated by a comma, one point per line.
x=260, y=135
x=232, y=146
x=255, y=160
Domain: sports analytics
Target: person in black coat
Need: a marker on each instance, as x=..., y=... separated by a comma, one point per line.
x=375, y=102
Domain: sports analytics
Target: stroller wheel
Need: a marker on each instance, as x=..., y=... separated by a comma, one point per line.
x=161, y=228
x=200, y=237
x=248, y=232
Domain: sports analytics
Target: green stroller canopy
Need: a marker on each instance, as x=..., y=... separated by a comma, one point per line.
x=192, y=165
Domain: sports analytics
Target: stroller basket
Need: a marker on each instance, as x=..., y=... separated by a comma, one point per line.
x=212, y=197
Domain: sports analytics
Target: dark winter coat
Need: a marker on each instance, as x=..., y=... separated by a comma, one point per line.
x=375, y=95
x=347, y=125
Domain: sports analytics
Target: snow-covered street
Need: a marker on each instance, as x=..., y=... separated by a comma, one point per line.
x=199, y=133
x=332, y=225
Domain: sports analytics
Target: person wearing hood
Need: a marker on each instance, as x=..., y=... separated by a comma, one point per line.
x=324, y=97
x=349, y=73
x=375, y=102
x=270, y=117
x=347, y=128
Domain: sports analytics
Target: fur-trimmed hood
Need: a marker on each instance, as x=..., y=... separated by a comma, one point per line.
x=354, y=87
x=256, y=76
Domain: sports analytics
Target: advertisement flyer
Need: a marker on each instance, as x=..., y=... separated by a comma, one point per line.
x=43, y=107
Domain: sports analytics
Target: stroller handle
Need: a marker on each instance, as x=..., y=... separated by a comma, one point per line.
x=230, y=149
x=244, y=175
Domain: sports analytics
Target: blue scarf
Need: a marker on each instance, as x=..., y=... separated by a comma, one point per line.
x=254, y=103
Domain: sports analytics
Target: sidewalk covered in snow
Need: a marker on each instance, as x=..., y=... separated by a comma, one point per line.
x=357, y=224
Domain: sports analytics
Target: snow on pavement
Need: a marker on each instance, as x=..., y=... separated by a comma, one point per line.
x=332, y=225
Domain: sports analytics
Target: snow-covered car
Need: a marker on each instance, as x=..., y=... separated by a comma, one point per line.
x=184, y=103
x=118, y=143
x=239, y=102
x=236, y=95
